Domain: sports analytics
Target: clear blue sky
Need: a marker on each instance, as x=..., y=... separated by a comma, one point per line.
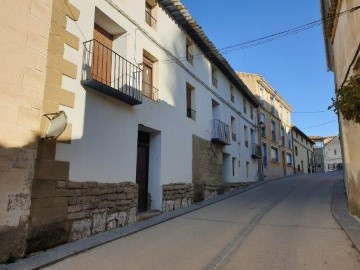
x=295, y=66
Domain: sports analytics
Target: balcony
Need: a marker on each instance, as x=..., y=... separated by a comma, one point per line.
x=150, y=20
x=273, y=135
x=220, y=133
x=283, y=140
x=214, y=82
x=109, y=73
x=190, y=113
x=255, y=151
x=190, y=58
x=150, y=91
x=233, y=137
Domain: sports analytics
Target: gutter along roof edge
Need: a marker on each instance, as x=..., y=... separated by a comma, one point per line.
x=177, y=11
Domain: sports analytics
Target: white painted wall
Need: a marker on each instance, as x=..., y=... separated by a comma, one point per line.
x=105, y=130
x=329, y=153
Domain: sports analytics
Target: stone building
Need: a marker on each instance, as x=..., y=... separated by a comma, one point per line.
x=151, y=125
x=304, y=161
x=318, y=153
x=275, y=139
x=342, y=39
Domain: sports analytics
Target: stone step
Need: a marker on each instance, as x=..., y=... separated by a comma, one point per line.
x=146, y=215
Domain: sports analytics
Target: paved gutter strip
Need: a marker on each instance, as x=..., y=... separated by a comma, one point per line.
x=341, y=213
x=65, y=251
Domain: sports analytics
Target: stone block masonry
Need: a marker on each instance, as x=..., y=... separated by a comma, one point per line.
x=63, y=211
x=177, y=195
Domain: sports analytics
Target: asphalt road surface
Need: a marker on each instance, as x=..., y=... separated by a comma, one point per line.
x=284, y=224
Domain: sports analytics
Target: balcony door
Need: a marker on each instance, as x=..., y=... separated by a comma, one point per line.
x=102, y=55
x=147, y=78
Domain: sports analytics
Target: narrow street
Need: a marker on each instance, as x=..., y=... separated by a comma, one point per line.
x=285, y=224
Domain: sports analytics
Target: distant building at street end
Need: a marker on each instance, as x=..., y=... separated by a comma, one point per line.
x=318, y=153
x=274, y=127
x=304, y=161
x=327, y=152
x=342, y=39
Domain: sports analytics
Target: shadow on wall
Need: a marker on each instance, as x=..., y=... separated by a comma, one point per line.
x=16, y=177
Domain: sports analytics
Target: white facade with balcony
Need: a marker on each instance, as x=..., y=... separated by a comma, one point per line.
x=155, y=80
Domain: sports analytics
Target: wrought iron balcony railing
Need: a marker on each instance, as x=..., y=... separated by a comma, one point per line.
x=150, y=91
x=150, y=20
x=255, y=150
x=273, y=135
x=189, y=57
x=107, y=72
x=220, y=132
x=214, y=82
x=233, y=136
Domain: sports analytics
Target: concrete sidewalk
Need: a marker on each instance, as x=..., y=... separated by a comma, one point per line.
x=62, y=252
x=340, y=211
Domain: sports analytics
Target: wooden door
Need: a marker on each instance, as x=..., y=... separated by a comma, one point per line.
x=142, y=170
x=102, y=55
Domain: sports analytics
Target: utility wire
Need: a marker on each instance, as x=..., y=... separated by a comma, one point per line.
x=74, y=20
x=323, y=124
x=314, y=112
x=266, y=39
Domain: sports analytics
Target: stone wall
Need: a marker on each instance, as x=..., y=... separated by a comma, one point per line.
x=177, y=195
x=63, y=211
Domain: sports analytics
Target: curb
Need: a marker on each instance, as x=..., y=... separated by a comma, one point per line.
x=65, y=251
x=339, y=209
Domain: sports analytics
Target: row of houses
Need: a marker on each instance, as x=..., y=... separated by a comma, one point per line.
x=115, y=108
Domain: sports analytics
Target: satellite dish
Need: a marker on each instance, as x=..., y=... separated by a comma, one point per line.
x=57, y=125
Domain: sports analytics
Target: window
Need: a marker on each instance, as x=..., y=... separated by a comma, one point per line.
x=264, y=152
x=149, y=15
x=261, y=94
x=232, y=94
x=147, y=77
x=244, y=102
x=281, y=114
x=296, y=151
x=288, y=159
x=273, y=130
x=189, y=51
x=282, y=134
x=272, y=104
x=148, y=88
x=233, y=166
x=289, y=140
x=251, y=112
x=274, y=154
x=246, y=136
x=263, y=120
x=190, y=96
x=296, y=135
x=302, y=139
x=233, y=129
x=214, y=80
x=288, y=118
x=335, y=152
